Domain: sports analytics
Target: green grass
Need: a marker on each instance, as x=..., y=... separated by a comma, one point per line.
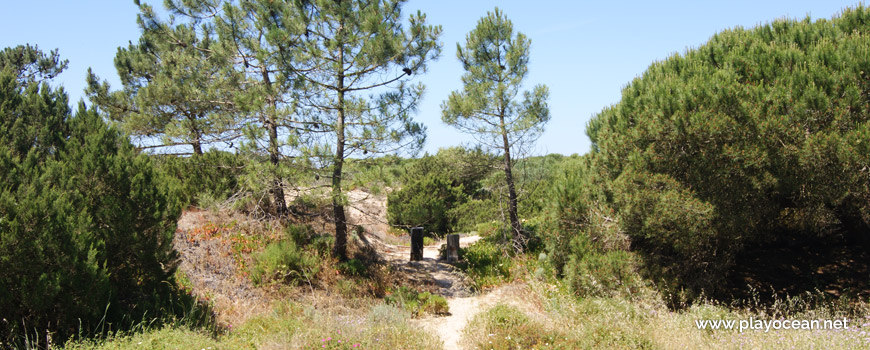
x=289, y=325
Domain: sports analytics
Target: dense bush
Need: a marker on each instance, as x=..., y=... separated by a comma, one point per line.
x=435, y=187
x=486, y=263
x=426, y=201
x=86, y=225
x=591, y=271
x=212, y=176
x=756, y=136
x=466, y=216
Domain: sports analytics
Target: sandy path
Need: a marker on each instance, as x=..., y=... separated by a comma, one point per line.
x=462, y=302
x=369, y=211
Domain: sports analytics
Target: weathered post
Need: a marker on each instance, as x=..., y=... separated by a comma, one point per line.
x=416, y=243
x=453, y=247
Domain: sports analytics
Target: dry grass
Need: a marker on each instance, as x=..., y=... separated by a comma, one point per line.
x=214, y=248
x=644, y=322
x=291, y=325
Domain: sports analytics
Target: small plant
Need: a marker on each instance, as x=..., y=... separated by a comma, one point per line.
x=506, y=327
x=353, y=267
x=418, y=303
x=429, y=241
x=283, y=262
x=322, y=244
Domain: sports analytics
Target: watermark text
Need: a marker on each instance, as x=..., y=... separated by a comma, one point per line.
x=767, y=325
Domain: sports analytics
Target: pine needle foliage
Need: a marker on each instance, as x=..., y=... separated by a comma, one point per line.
x=496, y=60
x=758, y=135
x=86, y=224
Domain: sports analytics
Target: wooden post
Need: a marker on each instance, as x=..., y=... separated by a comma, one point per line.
x=416, y=243
x=453, y=247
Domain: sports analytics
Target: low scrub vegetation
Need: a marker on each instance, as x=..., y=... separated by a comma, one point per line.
x=288, y=325
x=283, y=262
x=418, y=303
x=645, y=322
x=487, y=263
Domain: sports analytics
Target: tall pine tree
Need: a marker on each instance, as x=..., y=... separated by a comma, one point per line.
x=357, y=61
x=496, y=63
x=354, y=62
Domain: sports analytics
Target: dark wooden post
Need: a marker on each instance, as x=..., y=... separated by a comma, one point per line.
x=416, y=243
x=453, y=247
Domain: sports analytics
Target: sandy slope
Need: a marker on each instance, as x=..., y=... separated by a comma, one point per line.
x=209, y=266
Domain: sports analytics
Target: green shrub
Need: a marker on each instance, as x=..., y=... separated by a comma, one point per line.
x=353, y=267
x=486, y=263
x=305, y=237
x=302, y=235
x=205, y=179
x=322, y=244
x=444, y=192
x=283, y=262
x=592, y=272
x=577, y=206
x=674, y=231
x=418, y=303
x=467, y=215
x=425, y=202
x=87, y=224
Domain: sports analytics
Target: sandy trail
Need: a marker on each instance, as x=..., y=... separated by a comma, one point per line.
x=453, y=285
x=369, y=211
x=463, y=309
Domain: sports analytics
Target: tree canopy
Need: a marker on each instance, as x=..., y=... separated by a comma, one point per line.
x=496, y=63
x=354, y=62
x=177, y=85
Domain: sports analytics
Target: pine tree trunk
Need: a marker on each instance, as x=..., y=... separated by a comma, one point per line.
x=340, y=249
x=277, y=187
x=197, y=147
x=197, y=135
x=516, y=228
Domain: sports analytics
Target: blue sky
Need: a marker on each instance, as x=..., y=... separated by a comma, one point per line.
x=584, y=51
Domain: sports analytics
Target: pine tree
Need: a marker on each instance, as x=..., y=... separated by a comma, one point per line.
x=496, y=63
x=30, y=65
x=209, y=74
x=759, y=135
x=176, y=84
x=346, y=52
x=338, y=53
